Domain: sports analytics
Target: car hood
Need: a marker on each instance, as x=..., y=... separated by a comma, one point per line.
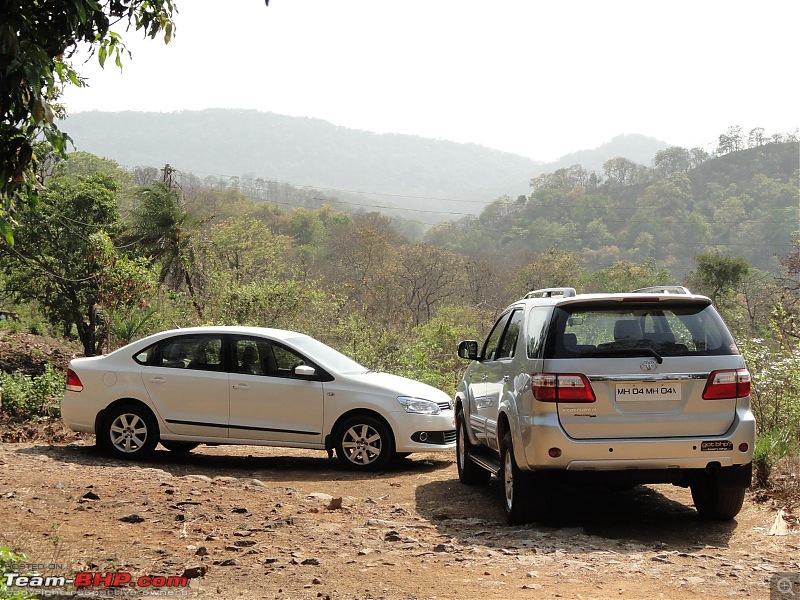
x=397, y=386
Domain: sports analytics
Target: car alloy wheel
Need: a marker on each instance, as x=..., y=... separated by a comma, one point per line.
x=365, y=443
x=131, y=432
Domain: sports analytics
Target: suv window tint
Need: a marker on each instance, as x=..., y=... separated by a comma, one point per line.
x=509, y=342
x=492, y=344
x=679, y=329
x=537, y=321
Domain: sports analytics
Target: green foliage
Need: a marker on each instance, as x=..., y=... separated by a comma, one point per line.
x=429, y=355
x=8, y=564
x=771, y=446
x=132, y=325
x=27, y=397
x=718, y=275
x=65, y=260
x=34, y=37
x=775, y=394
x=625, y=276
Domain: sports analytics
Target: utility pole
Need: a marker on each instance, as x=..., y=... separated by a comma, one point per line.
x=168, y=170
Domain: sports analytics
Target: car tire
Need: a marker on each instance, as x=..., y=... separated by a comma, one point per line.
x=364, y=443
x=130, y=432
x=469, y=473
x=716, y=503
x=179, y=447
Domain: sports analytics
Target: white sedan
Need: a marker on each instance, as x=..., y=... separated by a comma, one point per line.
x=251, y=385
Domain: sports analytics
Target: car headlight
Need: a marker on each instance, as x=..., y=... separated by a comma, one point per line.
x=418, y=405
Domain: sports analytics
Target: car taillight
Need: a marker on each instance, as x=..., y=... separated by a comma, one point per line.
x=73, y=381
x=728, y=384
x=561, y=387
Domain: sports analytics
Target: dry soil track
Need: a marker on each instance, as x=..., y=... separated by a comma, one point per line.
x=265, y=523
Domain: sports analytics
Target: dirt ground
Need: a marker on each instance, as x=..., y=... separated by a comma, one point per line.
x=255, y=522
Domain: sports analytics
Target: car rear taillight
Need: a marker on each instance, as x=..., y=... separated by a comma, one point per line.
x=728, y=384
x=73, y=381
x=561, y=387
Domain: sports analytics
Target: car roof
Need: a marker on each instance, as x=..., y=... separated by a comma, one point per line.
x=277, y=334
x=241, y=329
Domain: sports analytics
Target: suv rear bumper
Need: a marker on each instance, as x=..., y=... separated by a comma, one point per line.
x=541, y=433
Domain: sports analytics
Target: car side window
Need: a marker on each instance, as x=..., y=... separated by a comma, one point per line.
x=254, y=356
x=492, y=344
x=509, y=342
x=537, y=321
x=197, y=352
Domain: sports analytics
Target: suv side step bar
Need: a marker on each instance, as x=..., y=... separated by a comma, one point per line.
x=490, y=463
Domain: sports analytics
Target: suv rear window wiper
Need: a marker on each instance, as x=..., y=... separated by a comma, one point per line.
x=628, y=352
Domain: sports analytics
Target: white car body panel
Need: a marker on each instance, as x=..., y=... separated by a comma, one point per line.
x=235, y=408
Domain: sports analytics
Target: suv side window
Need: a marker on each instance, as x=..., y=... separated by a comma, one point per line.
x=492, y=344
x=537, y=322
x=509, y=342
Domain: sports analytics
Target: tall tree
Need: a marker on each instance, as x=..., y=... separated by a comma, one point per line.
x=65, y=260
x=161, y=228
x=719, y=274
x=35, y=40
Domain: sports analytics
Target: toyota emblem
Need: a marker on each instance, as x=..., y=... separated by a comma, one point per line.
x=648, y=365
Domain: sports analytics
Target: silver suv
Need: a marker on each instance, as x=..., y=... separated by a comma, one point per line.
x=607, y=389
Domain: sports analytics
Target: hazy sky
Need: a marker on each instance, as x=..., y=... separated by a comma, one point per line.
x=536, y=78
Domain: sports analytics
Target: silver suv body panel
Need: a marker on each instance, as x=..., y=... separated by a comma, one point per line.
x=646, y=384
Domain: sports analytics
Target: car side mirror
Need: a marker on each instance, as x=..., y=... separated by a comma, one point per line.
x=468, y=349
x=305, y=371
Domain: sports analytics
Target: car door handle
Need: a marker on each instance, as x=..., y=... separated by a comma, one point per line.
x=157, y=380
x=241, y=386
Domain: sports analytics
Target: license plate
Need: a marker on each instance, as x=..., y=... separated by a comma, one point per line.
x=649, y=391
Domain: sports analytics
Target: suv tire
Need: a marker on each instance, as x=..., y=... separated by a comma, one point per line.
x=469, y=473
x=517, y=486
x=716, y=503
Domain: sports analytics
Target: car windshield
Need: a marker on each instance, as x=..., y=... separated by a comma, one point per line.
x=326, y=356
x=632, y=329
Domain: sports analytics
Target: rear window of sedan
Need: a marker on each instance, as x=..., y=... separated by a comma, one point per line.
x=630, y=329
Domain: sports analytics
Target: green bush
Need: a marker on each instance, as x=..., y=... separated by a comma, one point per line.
x=770, y=448
x=775, y=393
x=28, y=397
x=8, y=564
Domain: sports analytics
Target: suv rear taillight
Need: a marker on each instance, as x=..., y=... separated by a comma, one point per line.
x=728, y=384
x=73, y=381
x=561, y=387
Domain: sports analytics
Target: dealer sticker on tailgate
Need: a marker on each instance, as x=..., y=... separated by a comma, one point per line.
x=647, y=391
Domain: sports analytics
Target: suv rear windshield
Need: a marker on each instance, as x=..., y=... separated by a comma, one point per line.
x=638, y=329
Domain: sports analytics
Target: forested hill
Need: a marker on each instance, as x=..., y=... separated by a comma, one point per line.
x=312, y=152
x=744, y=202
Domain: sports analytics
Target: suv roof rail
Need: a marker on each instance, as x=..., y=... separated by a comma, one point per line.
x=550, y=292
x=663, y=289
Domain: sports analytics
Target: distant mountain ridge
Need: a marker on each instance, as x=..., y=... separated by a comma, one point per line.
x=423, y=173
